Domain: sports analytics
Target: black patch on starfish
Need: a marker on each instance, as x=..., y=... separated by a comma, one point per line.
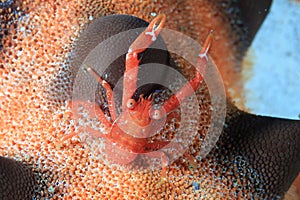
x=17, y=181
x=261, y=154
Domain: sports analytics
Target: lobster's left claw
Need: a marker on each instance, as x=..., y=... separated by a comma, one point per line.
x=149, y=35
x=141, y=43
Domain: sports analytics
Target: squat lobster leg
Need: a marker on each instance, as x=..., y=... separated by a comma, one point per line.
x=189, y=88
x=93, y=112
x=109, y=93
x=143, y=41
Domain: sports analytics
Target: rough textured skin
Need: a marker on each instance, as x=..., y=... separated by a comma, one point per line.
x=270, y=145
x=16, y=180
x=256, y=157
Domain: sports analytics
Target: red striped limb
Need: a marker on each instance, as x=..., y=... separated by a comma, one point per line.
x=189, y=88
x=78, y=107
x=109, y=93
x=143, y=41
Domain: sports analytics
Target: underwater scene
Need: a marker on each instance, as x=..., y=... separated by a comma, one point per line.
x=155, y=99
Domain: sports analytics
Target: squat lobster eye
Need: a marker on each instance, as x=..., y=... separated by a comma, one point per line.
x=130, y=103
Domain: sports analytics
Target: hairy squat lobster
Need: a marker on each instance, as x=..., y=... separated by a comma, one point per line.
x=136, y=115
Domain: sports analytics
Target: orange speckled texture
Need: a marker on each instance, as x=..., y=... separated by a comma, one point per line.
x=33, y=116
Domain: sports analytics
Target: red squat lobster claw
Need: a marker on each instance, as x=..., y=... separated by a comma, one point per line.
x=136, y=115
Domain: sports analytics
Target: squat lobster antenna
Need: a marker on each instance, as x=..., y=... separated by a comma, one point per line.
x=109, y=91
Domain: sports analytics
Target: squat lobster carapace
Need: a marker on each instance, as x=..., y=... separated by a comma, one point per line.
x=129, y=133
